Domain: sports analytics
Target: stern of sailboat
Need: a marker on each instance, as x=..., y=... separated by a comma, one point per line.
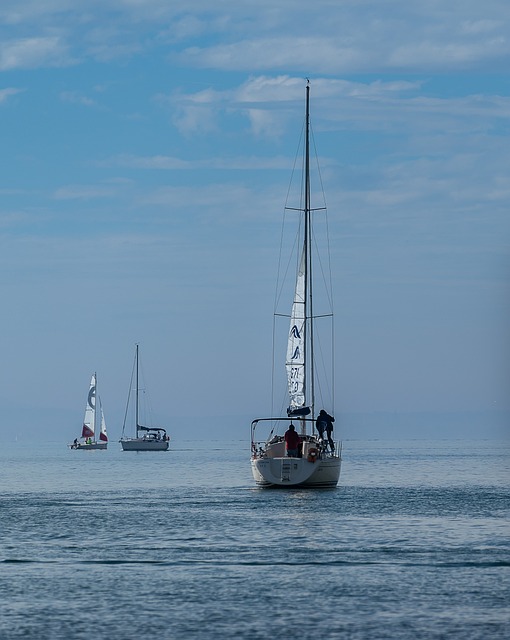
x=315, y=466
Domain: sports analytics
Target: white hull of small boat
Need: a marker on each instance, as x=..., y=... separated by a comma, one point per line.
x=89, y=446
x=139, y=444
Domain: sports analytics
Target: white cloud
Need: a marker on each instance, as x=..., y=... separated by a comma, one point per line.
x=266, y=102
x=480, y=26
x=106, y=43
x=147, y=162
x=5, y=94
x=207, y=198
x=317, y=53
x=76, y=98
x=12, y=219
x=170, y=163
x=326, y=37
x=30, y=53
x=83, y=192
x=427, y=54
x=195, y=119
x=325, y=54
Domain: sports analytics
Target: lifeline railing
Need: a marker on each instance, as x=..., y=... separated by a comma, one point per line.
x=259, y=446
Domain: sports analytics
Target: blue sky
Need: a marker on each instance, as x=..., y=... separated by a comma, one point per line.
x=146, y=154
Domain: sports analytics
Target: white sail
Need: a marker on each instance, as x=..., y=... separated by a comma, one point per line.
x=296, y=344
x=102, y=434
x=89, y=421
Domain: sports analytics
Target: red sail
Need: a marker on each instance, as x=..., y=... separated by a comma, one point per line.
x=87, y=432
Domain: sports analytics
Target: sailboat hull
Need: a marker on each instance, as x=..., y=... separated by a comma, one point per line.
x=89, y=446
x=139, y=444
x=296, y=472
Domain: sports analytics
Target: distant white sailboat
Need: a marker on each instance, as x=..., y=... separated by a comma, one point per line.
x=93, y=409
x=145, y=438
x=300, y=457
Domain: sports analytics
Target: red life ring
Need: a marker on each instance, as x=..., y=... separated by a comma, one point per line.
x=312, y=454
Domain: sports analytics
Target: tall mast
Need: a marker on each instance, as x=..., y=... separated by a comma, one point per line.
x=136, y=397
x=95, y=406
x=300, y=345
x=308, y=257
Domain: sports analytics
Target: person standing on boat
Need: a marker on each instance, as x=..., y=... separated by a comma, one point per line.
x=323, y=423
x=292, y=441
x=329, y=432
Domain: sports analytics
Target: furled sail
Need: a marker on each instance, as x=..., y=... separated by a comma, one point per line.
x=296, y=344
x=90, y=410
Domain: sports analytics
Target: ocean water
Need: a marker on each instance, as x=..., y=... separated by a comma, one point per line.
x=414, y=543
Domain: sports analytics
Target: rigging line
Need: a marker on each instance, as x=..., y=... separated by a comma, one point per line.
x=141, y=391
x=319, y=173
x=327, y=279
x=277, y=294
x=333, y=377
x=309, y=209
x=297, y=155
x=147, y=405
x=129, y=396
x=284, y=402
x=315, y=315
x=325, y=379
x=273, y=366
x=316, y=157
x=327, y=285
x=282, y=386
x=281, y=280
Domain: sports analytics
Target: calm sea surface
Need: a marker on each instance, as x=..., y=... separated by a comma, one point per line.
x=414, y=543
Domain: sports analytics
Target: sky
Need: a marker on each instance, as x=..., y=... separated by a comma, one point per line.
x=146, y=149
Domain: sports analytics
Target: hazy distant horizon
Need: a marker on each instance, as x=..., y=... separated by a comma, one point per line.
x=421, y=425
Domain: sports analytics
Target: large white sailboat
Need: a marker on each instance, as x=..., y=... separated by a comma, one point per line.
x=313, y=460
x=145, y=438
x=93, y=409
